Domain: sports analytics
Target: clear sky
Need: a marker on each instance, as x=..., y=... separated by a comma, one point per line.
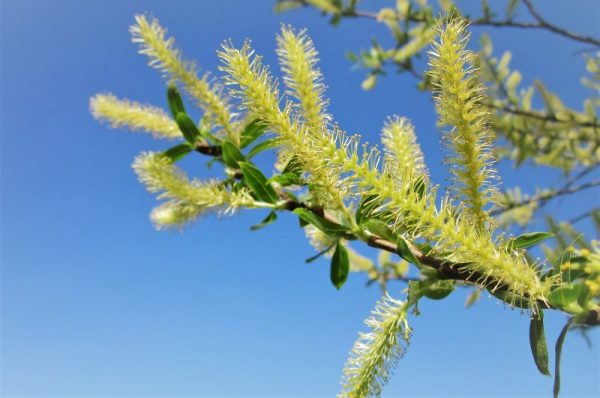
x=95, y=302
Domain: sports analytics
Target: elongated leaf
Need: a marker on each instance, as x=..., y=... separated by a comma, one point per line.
x=270, y=218
x=438, y=290
x=404, y=251
x=292, y=166
x=564, y=295
x=178, y=151
x=231, y=154
x=319, y=254
x=251, y=132
x=257, y=182
x=263, y=146
x=528, y=240
x=340, y=266
x=537, y=341
x=188, y=128
x=367, y=204
x=380, y=229
x=322, y=224
x=287, y=179
x=174, y=100
x=558, y=352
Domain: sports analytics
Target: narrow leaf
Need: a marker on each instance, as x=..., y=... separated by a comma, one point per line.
x=263, y=146
x=528, y=240
x=231, y=154
x=188, y=128
x=340, y=266
x=558, y=352
x=178, y=151
x=257, y=182
x=287, y=179
x=537, y=341
x=251, y=132
x=439, y=290
x=324, y=225
x=405, y=252
x=319, y=254
x=270, y=218
x=174, y=100
x=564, y=295
x=380, y=229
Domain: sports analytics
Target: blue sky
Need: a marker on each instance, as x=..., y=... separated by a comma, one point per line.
x=95, y=302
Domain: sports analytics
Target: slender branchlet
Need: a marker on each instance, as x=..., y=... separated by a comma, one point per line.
x=375, y=353
x=188, y=198
x=134, y=116
x=401, y=147
x=165, y=57
x=459, y=101
x=298, y=58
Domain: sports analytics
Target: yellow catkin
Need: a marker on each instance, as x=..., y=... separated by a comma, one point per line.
x=134, y=116
x=459, y=103
x=187, y=198
x=164, y=56
x=298, y=58
x=401, y=147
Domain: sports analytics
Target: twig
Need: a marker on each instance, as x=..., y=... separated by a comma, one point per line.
x=553, y=28
x=544, y=197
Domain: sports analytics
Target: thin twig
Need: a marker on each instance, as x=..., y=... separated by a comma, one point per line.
x=558, y=30
x=545, y=196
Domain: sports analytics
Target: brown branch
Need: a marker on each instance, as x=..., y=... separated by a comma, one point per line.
x=541, y=117
x=446, y=269
x=541, y=23
x=543, y=197
x=558, y=30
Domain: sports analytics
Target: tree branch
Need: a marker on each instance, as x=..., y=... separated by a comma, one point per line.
x=558, y=30
x=544, y=197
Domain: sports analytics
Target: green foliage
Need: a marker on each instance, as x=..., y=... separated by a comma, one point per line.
x=342, y=190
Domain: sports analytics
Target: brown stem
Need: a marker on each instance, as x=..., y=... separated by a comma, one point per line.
x=544, y=197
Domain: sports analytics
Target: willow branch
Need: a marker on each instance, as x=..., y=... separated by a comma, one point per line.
x=544, y=197
x=558, y=30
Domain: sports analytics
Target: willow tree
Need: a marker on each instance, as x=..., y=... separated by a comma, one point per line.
x=343, y=191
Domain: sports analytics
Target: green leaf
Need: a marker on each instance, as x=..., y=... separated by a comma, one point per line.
x=286, y=5
x=257, y=182
x=231, y=154
x=419, y=187
x=340, y=266
x=322, y=224
x=537, y=341
x=251, y=132
x=439, y=290
x=564, y=295
x=287, y=179
x=188, y=128
x=528, y=240
x=584, y=297
x=270, y=218
x=178, y=151
x=380, y=229
x=292, y=166
x=174, y=100
x=367, y=204
x=263, y=146
x=473, y=298
x=319, y=254
x=324, y=5
x=405, y=252
x=558, y=352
